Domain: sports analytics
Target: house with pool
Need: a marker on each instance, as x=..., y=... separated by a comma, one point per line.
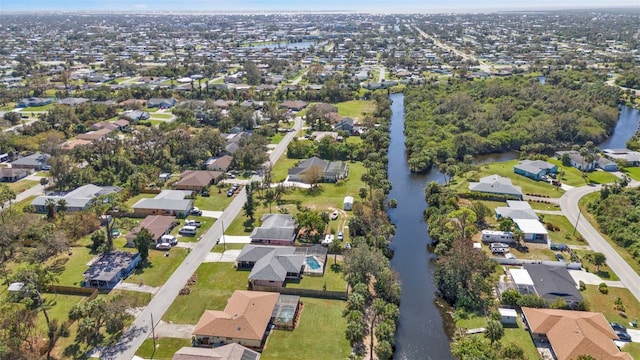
x=273, y=266
x=247, y=319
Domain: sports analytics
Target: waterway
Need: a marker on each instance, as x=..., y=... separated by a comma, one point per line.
x=421, y=332
x=625, y=128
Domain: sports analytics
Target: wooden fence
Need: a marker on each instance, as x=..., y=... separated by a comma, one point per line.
x=91, y=293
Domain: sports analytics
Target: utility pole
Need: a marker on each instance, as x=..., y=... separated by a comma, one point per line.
x=578, y=219
x=153, y=333
x=224, y=243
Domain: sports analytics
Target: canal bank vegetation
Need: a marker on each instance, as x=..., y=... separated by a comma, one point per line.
x=372, y=306
x=456, y=118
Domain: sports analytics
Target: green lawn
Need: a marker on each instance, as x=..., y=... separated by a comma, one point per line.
x=521, y=337
x=633, y=172
x=232, y=246
x=159, y=267
x=604, y=272
x=324, y=197
x=216, y=283
x=161, y=116
x=60, y=305
x=566, y=233
x=19, y=206
x=505, y=169
x=473, y=321
x=333, y=279
x=543, y=206
x=320, y=333
x=22, y=185
x=605, y=303
x=42, y=173
x=572, y=176
x=275, y=139
x=355, y=108
x=281, y=168
x=217, y=200
x=75, y=266
x=165, y=349
x=633, y=349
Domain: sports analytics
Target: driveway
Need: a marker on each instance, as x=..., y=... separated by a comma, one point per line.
x=136, y=287
x=167, y=329
x=236, y=239
x=592, y=279
x=227, y=256
x=211, y=214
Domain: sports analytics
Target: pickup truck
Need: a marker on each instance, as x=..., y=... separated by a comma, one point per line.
x=195, y=223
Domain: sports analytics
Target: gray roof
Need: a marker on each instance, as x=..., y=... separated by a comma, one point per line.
x=253, y=253
x=495, y=184
x=274, y=267
x=552, y=282
x=164, y=204
x=275, y=227
x=508, y=212
x=36, y=159
x=80, y=197
x=173, y=194
x=108, y=265
x=534, y=166
x=73, y=101
x=329, y=168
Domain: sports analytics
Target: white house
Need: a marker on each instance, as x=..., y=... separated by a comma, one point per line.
x=533, y=230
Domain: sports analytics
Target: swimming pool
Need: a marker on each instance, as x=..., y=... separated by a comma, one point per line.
x=312, y=262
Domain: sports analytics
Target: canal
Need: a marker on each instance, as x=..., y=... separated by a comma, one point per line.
x=420, y=333
x=421, y=329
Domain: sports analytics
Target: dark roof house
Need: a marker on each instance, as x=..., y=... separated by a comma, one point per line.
x=277, y=229
x=161, y=103
x=553, y=282
x=110, y=268
x=331, y=171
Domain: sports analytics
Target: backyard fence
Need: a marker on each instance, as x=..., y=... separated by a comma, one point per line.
x=322, y=294
x=91, y=293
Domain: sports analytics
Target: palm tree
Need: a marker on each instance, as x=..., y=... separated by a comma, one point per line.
x=62, y=206
x=50, y=204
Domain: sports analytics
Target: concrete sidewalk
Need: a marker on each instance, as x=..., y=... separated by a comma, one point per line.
x=136, y=287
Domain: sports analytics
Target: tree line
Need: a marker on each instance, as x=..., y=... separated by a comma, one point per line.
x=454, y=118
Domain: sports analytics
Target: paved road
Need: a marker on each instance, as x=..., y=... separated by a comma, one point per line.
x=299, y=78
x=19, y=126
x=569, y=204
x=140, y=330
x=382, y=74
x=483, y=67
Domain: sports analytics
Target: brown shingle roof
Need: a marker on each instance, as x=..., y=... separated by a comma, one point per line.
x=575, y=333
x=246, y=316
x=197, y=178
x=95, y=135
x=157, y=225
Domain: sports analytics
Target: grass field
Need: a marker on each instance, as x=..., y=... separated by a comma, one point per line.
x=633, y=349
x=161, y=116
x=22, y=185
x=75, y=266
x=605, y=303
x=217, y=200
x=134, y=199
x=624, y=253
x=165, y=349
x=565, y=235
x=37, y=108
x=355, y=108
x=604, y=272
x=320, y=334
x=275, y=139
x=333, y=279
x=519, y=336
x=154, y=123
x=572, y=176
x=216, y=282
x=159, y=267
x=633, y=172
x=233, y=246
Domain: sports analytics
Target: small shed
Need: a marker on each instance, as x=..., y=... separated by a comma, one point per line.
x=15, y=288
x=508, y=316
x=348, y=202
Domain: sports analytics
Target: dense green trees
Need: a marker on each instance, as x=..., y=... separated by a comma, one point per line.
x=618, y=216
x=456, y=118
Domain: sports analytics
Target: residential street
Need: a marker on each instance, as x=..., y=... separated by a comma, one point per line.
x=569, y=204
x=140, y=330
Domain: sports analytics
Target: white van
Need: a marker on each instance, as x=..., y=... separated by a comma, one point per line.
x=188, y=230
x=169, y=239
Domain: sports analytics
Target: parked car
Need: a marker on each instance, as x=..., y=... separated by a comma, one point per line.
x=347, y=246
x=163, y=246
x=623, y=336
x=230, y=193
x=334, y=215
x=204, y=193
x=46, y=167
x=196, y=211
x=172, y=240
x=340, y=235
x=192, y=223
x=618, y=327
x=115, y=233
x=559, y=257
x=188, y=231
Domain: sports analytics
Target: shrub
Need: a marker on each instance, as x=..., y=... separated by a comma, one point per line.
x=603, y=288
x=582, y=285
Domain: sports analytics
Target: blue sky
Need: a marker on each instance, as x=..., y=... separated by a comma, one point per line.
x=306, y=5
